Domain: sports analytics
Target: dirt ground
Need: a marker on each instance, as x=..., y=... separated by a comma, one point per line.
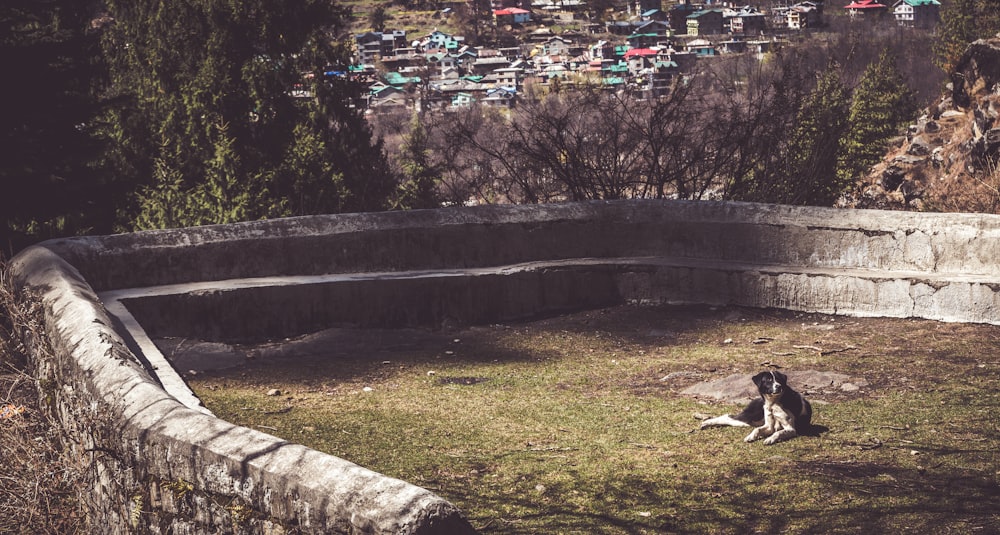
x=828, y=357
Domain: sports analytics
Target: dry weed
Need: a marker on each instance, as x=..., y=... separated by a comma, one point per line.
x=39, y=489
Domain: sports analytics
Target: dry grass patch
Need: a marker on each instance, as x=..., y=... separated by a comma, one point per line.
x=39, y=490
x=575, y=424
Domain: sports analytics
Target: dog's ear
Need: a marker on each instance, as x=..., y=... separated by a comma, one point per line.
x=781, y=377
x=759, y=378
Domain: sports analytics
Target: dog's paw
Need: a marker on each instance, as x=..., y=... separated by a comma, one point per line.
x=752, y=436
x=770, y=440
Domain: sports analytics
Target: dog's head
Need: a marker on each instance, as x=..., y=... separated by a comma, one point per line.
x=771, y=384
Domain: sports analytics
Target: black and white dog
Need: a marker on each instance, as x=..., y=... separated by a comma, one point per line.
x=783, y=411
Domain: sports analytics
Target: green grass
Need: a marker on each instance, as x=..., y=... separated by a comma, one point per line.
x=566, y=425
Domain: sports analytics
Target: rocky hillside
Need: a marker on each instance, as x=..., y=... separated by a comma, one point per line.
x=949, y=159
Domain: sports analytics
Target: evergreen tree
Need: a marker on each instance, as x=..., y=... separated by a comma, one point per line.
x=881, y=105
x=420, y=175
x=48, y=176
x=814, y=147
x=231, y=97
x=962, y=22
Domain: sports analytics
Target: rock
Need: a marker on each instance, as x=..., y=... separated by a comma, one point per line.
x=274, y=392
x=738, y=388
x=892, y=177
x=676, y=375
x=977, y=69
x=920, y=146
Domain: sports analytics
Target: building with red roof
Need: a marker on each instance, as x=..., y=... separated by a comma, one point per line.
x=866, y=8
x=512, y=15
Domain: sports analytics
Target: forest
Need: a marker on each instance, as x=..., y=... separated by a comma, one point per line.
x=131, y=115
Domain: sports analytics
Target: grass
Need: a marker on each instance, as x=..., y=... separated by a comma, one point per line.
x=575, y=425
x=39, y=485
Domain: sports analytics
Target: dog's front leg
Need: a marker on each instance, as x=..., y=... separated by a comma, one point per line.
x=758, y=433
x=784, y=434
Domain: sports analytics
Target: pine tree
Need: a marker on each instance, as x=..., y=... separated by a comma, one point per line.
x=235, y=95
x=880, y=106
x=49, y=179
x=814, y=147
x=962, y=22
x=420, y=175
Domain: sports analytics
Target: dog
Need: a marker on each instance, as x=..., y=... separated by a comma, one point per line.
x=780, y=413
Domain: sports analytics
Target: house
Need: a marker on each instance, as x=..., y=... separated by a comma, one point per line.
x=745, y=20
x=381, y=95
x=554, y=6
x=398, y=80
x=653, y=14
x=764, y=46
x=512, y=15
x=601, y=50
x=500, y=97
x=509, y=77
x=462, y=100
x=656, y=82
x=439, y=39
x=488, y=64
x=701, y=47
x=620, y=27
x=370, y=45
x=677, y=16
x=512, y=53
x=645, y=6
x=440, y=60
x=657, y=27
x=391, y=102
x=555, y=46
x=367, y=47
x=705, y=22
x=917, y=13
x=640, y=60
x=733, y=46
x=803, y=15
x=465, y=57
x=402, y=59
x=866, y=9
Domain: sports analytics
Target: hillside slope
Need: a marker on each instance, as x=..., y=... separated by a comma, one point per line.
x=948, y=159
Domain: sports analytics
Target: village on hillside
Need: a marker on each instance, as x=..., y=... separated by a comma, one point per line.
x=639, y=53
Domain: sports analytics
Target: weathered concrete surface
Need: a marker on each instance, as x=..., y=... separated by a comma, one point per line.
x=161, y=467
x=175, y=468
x=502, y=235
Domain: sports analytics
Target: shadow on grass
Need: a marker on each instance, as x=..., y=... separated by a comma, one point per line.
x=819, y=498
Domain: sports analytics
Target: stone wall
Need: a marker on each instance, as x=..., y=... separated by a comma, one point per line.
x=164, y=464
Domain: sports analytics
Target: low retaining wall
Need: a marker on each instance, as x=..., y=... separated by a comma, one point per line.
x=164, y=464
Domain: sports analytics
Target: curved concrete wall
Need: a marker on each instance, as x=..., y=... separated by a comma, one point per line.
x=163, y=463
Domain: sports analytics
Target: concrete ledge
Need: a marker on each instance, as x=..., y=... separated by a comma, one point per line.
x=164, y=464
x=161, y=467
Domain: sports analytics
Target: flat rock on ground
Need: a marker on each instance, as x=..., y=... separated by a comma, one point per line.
x=739, y=388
